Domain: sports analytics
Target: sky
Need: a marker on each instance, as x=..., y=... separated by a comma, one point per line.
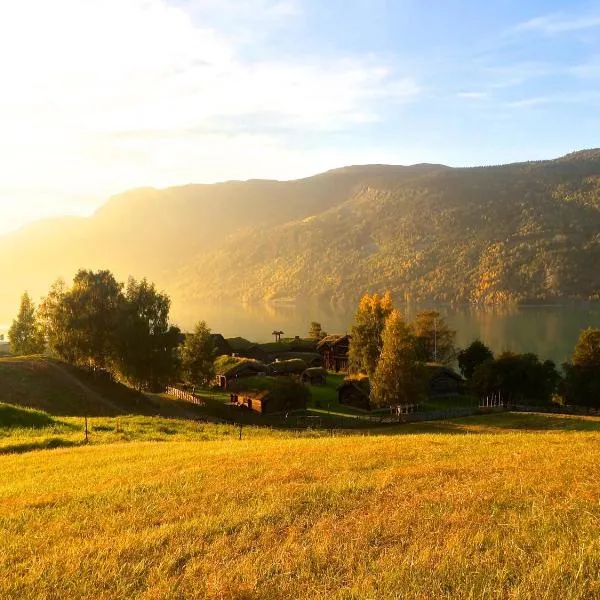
x=100, y=97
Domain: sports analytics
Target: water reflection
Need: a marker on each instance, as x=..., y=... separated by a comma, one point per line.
x=549, y=331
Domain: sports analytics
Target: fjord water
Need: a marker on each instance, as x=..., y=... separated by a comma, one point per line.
x=549, y=331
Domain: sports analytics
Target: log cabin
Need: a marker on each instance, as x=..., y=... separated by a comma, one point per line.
x=229, y=369
x=270, y=395
x=334, y=351
x=314, y=376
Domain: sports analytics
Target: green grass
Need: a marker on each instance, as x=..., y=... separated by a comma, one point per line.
x=505, y=507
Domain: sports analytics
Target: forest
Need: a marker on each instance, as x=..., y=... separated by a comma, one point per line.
x=517, y=233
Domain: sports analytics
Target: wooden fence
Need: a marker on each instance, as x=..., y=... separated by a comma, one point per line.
x=184, y=395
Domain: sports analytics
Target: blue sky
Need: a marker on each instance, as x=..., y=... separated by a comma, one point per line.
x=99, y=97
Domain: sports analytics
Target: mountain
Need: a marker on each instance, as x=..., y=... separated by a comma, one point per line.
x=512, y=233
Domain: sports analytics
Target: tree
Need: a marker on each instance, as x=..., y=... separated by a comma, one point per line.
x=582, y=375
x=55, y=321
x=587, y=349
x=366, y=342
x=146, y=346
x=398, y=378
x=517, y=378
x=25, y=333
x=316, y=332
x=198, y=355
x=472, y=356
x=434, y=339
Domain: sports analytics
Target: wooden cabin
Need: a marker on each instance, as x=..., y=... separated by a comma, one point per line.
x=355, y=392
x=229, y=369
x=334, y=351
x=270, y=395
x=290, y=368
x=442, y=381
x=314, y=376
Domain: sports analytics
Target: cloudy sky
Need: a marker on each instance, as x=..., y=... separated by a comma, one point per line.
x=100, y=96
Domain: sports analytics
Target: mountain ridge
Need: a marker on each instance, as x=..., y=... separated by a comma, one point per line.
x=486, y=235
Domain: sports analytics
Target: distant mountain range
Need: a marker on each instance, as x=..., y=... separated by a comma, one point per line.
x=514, y=233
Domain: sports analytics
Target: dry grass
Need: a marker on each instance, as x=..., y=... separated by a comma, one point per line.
x=504, y=513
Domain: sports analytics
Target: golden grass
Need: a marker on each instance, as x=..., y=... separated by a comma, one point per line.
x=508, y=514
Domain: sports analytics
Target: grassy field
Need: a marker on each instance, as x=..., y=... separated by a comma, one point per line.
x=160, y=504
x=503, y=506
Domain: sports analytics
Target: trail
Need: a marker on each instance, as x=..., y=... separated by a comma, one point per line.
x=90, y=394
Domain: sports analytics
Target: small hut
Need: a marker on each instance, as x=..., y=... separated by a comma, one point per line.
x=231, y=368
x=314, y=376
x=291, y=368
x=355, y=392
x=269, y=395
x=442, y=381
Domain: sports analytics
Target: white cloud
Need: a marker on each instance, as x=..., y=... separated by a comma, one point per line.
x=472, y=95
x=559, y=23
x=99, y=96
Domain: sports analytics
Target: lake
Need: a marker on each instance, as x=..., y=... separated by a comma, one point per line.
x=549, y=331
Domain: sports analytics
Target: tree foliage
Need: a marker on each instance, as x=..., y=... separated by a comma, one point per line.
x=198, y=356
x=146, y=346
x=587, y=349
x=398, y=378
x=25, y=334
x=582, y=375
x=95, y=324
x=517, y=378
x=434, y=340
x=369, y=322
x=475, y=354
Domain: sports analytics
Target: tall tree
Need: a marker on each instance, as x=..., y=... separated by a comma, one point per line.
x=475, y=354
x=517, y=378
x=369, y=322
x=398, y=378
x=435, y=341
x=198, y=356
x=582, y=374
x=25, y=333
x=145, y=343
x=55, y=321
x=81, y=322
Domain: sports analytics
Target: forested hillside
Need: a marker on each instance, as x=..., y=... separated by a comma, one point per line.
x=522, y=232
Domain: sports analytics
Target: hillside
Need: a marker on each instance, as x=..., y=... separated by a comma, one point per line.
x=59, y=390
x=508, y=511
x=511, y=233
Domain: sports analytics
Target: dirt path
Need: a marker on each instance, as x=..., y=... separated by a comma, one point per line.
x=89, y=393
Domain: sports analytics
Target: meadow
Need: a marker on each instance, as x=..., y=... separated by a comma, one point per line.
x=162, y=504
x=501, y=506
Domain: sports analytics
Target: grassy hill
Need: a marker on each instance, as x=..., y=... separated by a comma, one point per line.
x=518, y=232
x=503, y=506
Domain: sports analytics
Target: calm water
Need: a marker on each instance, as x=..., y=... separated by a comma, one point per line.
x=550, y=332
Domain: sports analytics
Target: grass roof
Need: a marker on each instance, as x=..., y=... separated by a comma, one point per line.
x=275, y=387
x=284, y=367
x=316, y=372
x=239, y=343
x=230, y=365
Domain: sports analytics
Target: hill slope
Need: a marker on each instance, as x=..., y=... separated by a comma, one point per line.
x=488, y=235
